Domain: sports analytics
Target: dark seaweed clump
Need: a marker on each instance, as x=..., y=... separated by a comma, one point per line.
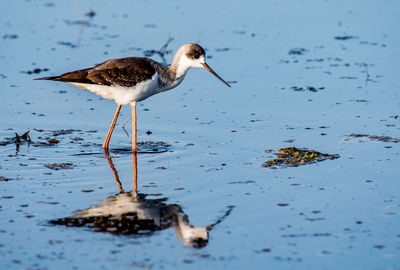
x=59, y=166
x=297, y=51
x=375, y=138
x=17, y=140
x=294, y=157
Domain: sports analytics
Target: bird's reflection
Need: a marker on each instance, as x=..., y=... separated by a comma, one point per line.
x=132, y=213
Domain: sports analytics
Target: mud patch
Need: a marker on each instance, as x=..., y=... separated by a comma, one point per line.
x=375, y=138
x=63, y=131
x=53, y=137
x=294, y=157
x=60, y=166
x=153, y=147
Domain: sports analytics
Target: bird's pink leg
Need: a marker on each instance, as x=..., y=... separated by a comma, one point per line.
x=110, y=131
x=134, y=145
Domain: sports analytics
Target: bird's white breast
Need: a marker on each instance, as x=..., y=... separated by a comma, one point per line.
x=123, y=94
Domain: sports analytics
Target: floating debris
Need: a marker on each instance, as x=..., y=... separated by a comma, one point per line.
x=348, y=78
x=242, y=182
x=222, y=49
x=17, y=140
x=58, y=166
x=283, y=204
x=23, y=137
x=293, y=157
x=10, y=36
x=306, y=235
x=359, y=100
x=345, y=37
x=87, y=190
x=68, y=44
x=3, y=178
x=316, y=60
x=35, y=71
x=307, y=88
x=78, y=22
x=64, y=131
x=91, y=13
x=153, y=147
x=375, y=138
x=297, y=51
x=49, y=142
x=48, y=202
x=53, y=137
x=289, y=140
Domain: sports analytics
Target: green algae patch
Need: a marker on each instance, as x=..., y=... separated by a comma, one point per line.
x=294, y=157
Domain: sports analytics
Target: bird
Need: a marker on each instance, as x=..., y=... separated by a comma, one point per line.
x=130, y=80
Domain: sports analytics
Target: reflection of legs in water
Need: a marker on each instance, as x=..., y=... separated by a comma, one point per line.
x=131, y=213
x=134, y=159
x=114, y=170
x=110, y=162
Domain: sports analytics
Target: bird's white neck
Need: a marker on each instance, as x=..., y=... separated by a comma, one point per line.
x=180, y=65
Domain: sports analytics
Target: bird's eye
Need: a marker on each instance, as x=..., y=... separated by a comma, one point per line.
x=196, y=56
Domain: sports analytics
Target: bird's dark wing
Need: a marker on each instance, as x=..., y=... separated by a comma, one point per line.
x=127, y=72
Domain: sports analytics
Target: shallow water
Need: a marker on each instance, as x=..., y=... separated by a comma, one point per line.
x=304, y=74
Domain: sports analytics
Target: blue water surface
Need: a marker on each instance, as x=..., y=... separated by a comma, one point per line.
x=304, y=74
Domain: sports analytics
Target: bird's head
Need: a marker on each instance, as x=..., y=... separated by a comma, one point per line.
x=193, y=55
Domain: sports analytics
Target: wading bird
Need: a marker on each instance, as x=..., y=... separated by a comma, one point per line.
x=133, y=79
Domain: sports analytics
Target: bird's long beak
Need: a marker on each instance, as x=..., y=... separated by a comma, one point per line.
x=215, y=74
